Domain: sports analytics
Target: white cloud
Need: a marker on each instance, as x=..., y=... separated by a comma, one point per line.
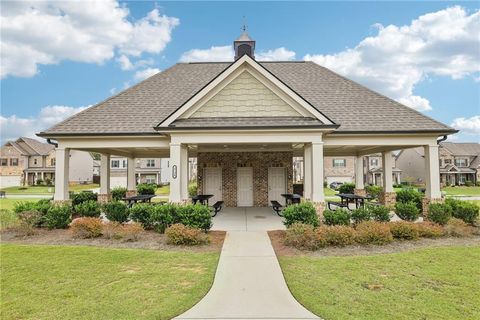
x=224, y=53
x=125, y=63
x=36, y=33
x=279, y=54
x=146, y=73
x=397, y=58
x=468, y=125
x=12, y=127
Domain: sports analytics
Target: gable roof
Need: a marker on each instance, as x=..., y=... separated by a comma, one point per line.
x=462, y=149
x=31, y=147
x=142, y=107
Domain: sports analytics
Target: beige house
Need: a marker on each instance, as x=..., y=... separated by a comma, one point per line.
x=373, y=170
x=458, y=163
x=26, y=161
x=147, y=170
x=244, y=121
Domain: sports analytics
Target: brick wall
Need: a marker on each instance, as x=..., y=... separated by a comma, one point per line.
x=9, y=152
x=259, y=161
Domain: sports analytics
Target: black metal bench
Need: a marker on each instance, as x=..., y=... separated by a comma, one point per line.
x=337, y=204
x=2, y=194
x=217, y=207
x=277, y=207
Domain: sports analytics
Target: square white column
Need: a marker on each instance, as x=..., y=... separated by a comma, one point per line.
x=307, y=171
x=184, y=171
x=359, y=183
x=317, y=172
x=131, y=174
x=105, y=174
x=178, y=172
x=432, y=172
x=387, y=162
x=62, y=158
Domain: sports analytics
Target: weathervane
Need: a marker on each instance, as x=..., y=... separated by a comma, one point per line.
x=244, y=27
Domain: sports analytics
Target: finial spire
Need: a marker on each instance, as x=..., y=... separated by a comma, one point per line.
x=244, y=27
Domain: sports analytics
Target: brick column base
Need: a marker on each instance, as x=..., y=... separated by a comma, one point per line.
x=319, y=208
x=360, y=192
x=388, y=199
x=61, y=202
x=131, y=193
x=426, y=202
x=104, y=198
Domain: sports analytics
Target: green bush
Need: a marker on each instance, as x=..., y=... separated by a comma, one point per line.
x=118, y=193
x=146, y=188
x=410, y=195
x=32, y=218
x=90, y=208
x=41, y=207
x=337, y=217
x=361, y=214
x=83, y=196
x=477, y=183
x=303, y=237
x=192, y=189
x=379, y=213
x=374, y=190
x=466, y=211
x=194, y=216
x=163, y=216
x=439, y=213
x=39, y=182
x=178, y=234
x=58, y=217
x=48, y=182
x=142, y=213
x=404, y=230
x=373, y=232
x=339, y=236
x=346, y=188
x=468, y=184
x=21, y=206
x=407, y=211
x=300, y=213
x=116, y=211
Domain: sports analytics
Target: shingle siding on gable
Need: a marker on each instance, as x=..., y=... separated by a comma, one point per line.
x=245, y=96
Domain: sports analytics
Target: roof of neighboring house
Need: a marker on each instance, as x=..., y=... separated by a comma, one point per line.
x=142, y=107
x=31, y=147
x=462, y=149
x=380, y=169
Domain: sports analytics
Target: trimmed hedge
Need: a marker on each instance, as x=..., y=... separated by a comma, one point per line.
x=337, y=217
x=83, y=196
x=179, y=234
x=410, y=195
x=361, y=214
x=408, y=211
x=90, y=208
x=404, y=230
x=464, y=210
x=58, y=217
x=300, y=213
x=347, y=188
x=118, y=193
x=146, y=188
x=372, y=232
x=439, y=213
x=374, y=190
x=302, y=236
x=142, y=213
x=116, y=211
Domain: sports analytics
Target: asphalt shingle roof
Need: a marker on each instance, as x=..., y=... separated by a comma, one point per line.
x=462, y=149
x=139, y=109
x=227, y=122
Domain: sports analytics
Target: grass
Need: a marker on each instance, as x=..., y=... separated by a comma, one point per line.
x=81, y=187
x=163, y=190
x=462, y=191
x=9, y=202
x=434, y=283
x=46, y=189
x=8, y=219
x=61, y=282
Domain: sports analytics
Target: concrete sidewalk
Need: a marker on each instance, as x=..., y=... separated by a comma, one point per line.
x=248, y=284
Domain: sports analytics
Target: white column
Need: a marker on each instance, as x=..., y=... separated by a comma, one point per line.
x=432, y=172
x=317, y=172
x=178, y=172
x=184, y=171
x=307, y=171
x=62, y=158
x=105, y=174
x=131, y=174
x=387, y=162
x=359, y=183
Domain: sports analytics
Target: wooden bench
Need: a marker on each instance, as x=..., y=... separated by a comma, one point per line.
x=337, y=204
x=217, y=207
x=277, y=207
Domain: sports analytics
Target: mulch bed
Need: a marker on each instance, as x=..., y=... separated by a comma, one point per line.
x=147, y=240
x=277, y=238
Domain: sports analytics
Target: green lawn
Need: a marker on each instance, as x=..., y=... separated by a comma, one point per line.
x=46, y=190
x=61, y=282
x=462, y=191
x=8, y=202
x=434, y=283
x=163, y=190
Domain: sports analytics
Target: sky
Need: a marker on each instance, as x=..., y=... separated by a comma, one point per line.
x=58, y=58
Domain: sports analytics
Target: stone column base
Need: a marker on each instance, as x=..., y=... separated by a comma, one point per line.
x=131, y=193
x=319, y=207
x=360, y=192
x=426, y=202
x=104, y=197
x=388, y=199
x=61, y=202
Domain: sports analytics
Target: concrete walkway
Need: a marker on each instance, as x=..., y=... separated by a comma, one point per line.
x=249, y=283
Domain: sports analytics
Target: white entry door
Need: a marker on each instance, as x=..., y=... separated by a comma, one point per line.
x=245, y=187
x=277, y=184
x=213, y=184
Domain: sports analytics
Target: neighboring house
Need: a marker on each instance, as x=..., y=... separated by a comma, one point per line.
x=26, y=161
x=339, y=169
x=373, y=170
x=147, y=170
x=458, y=163
x=245, y=121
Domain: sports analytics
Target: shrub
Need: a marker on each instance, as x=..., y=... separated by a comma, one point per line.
x=374, y=190
x=88, y=208
x=477, y=183
x=32, y=218
x=146, y=188
x=404, y=230
x=429, y=230
x=130, y=231
x=361, y=214
x=373, y=232
x=58, y=217
x=300, y=213
x=302, y=236
x=48, y=182
x=346, y=188
x=407, y=211
x=118, y=193
x=83, y=196
x=194, y=216
x=410, y=195
x=163, y=216
x=142, y=213
x=439, y=213
x=40, y=208
x=336, y=217
x=336, y=235
x=112, y=230
x=24, y=206
x=8, y=219
x=43, y=206
x=468, y=184
x=458, y=228
x=40, y=182
x=179, y=234
x=466, y=211
x=86, y=227
x=116, y=211
x=192, y=189
x=23, y=230
x=379, y=213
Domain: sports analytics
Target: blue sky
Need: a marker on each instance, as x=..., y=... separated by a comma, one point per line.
x=405, y=50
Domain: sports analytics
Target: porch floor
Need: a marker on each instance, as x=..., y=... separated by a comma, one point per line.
x=247, y=219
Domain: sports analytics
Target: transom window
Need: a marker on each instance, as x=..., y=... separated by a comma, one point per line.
x=339, y=163
x=150, y=163
x=14, y=161
x=374, y=162
x=4, y=162
x=115, y=164
x=461, y=162
x=150, y=178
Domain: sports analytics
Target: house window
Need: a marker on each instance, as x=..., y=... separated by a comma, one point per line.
x=373, y=162
x=151, y=179
x=447, y=161
x=124, y=163
x=339, y=163
x=14, y=162
x=462, y=162
x=52, y=162
x=115, y=164
x=4, y=162
x=440, y=162
x=150, y=163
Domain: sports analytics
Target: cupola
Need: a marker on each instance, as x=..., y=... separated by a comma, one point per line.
x=244, y=45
